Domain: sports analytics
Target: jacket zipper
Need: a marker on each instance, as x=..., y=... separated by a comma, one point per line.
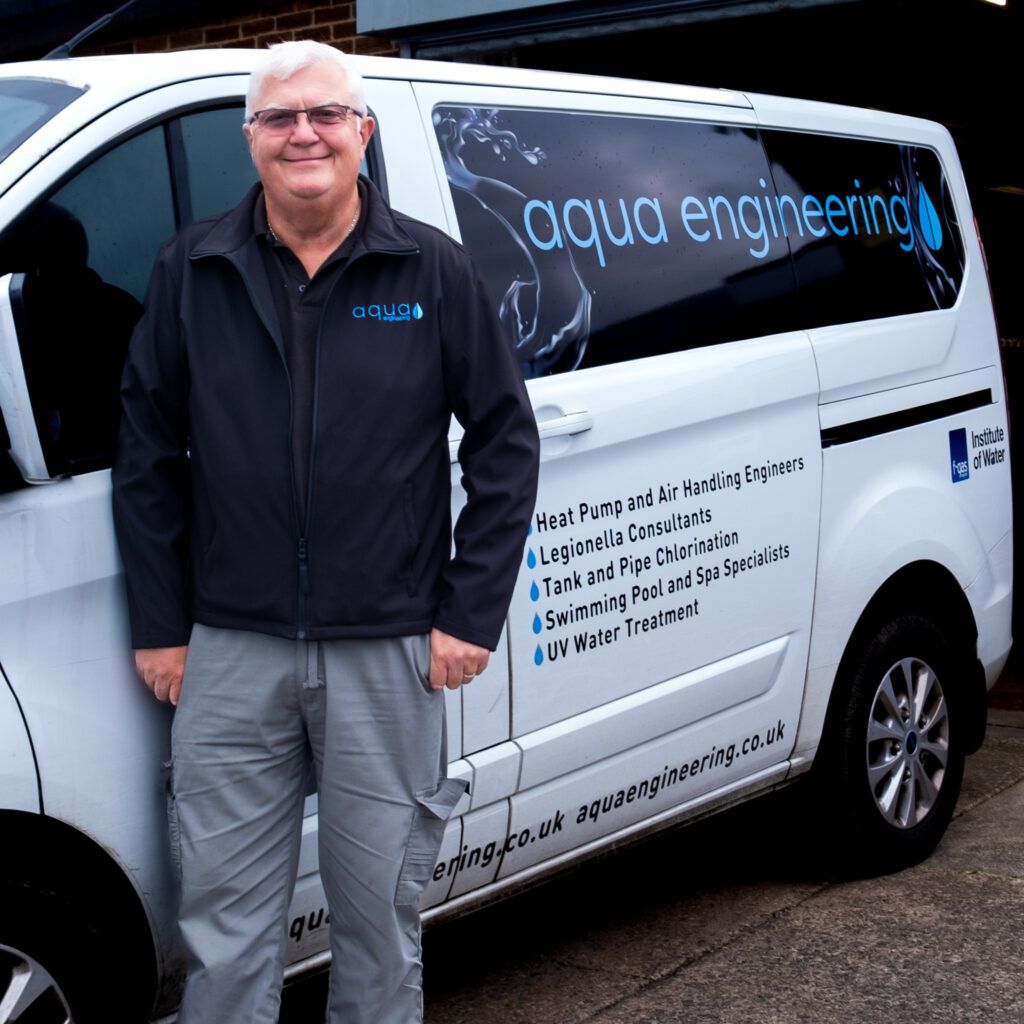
x=303, y=558
x=304, y=578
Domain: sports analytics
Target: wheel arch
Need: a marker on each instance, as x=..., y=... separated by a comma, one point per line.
x=49, y=858
x=930, y=589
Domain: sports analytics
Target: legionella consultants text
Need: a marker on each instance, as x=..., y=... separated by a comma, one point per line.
x=599, y=225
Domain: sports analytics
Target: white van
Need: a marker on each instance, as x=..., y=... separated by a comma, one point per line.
x=773, y=526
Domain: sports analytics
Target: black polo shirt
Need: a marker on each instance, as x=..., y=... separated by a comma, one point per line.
x=299, y=302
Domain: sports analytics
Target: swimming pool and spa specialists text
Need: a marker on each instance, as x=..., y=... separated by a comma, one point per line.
x=608, y=557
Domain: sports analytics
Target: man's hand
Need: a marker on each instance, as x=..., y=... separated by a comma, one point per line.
x=453, y=661
x=161, y=669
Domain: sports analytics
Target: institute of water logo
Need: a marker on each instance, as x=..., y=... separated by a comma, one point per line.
x=391, y=312
x=958, y=455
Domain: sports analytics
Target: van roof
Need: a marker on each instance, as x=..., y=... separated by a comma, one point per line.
x=130, y=74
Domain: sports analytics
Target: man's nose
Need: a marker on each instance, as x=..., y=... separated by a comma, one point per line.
x=303, y=130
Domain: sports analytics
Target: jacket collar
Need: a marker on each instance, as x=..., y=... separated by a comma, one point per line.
x=381, y=231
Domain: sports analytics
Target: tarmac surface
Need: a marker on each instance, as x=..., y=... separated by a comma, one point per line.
x=739, y=919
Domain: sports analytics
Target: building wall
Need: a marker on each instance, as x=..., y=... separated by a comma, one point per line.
x=251, y=25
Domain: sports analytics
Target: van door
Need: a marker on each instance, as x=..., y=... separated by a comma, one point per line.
x=658, y=633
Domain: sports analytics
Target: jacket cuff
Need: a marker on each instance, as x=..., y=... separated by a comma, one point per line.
x=147, y=641
x=471, y=636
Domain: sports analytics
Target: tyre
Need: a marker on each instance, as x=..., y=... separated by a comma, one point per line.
x=894, y=750
x=50, y=961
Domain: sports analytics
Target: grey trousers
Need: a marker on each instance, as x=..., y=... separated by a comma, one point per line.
x=255, y=713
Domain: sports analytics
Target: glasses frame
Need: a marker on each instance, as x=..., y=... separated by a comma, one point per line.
x=254, y=118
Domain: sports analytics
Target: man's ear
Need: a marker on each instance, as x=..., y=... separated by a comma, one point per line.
x=366, y=129
x=247, y=132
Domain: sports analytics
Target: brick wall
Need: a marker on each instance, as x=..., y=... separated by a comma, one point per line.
x=256, y=25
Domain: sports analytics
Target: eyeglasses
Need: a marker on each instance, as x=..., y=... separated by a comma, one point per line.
x=327, y=118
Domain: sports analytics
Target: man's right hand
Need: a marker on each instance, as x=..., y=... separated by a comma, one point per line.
x=161, y=669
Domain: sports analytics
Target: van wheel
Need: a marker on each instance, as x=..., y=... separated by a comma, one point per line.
x=894, y=758
x=50, y=972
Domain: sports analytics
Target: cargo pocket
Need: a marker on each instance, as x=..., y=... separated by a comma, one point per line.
x=173, y=826
x=432, y=812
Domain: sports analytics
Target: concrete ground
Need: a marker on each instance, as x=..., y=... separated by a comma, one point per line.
x=739, y=919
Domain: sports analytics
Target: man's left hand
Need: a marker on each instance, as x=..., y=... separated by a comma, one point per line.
x=454, y=662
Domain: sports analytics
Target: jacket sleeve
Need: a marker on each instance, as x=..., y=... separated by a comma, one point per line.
x=498, y=455
x=151, y=474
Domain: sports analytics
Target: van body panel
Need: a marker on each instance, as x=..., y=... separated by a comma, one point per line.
x=19, y=782
x=889, y=501
x=612, y=728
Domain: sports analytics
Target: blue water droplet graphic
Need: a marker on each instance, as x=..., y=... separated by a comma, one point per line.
x=531, y=559
x=931, y=226
x=536, y=624
x=534, y=591
x=529, y=530
x=538, y=656
x=417, y=312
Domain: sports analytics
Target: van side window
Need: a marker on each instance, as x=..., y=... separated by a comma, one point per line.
x=217, y=160
x=871, y=224
x=605, y=238
x=86, y=253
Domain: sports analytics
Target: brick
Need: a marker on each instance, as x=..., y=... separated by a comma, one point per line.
x=301, y=19
x=222, y=34
x=186, y=39
x=245, y=42
x=326, y=15
x=343, y=30
x=259, y=26
x=272, y=37
x=150, y=44
x=372, y=44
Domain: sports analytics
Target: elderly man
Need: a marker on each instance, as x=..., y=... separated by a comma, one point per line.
x=281, y=496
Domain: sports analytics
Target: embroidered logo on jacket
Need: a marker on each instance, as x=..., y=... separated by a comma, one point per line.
x=393, y=312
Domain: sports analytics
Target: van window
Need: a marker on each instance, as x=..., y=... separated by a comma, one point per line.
x=220, y=170
x=605, y=238
x=26, y=104
x=86, y=253
x=871, y=225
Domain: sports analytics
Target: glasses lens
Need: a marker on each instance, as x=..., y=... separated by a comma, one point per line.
x=328, y=117
x=278, y=120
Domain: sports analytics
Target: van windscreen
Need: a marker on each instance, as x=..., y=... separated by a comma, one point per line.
x=26, y=104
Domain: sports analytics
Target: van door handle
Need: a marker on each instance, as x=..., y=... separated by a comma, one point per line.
x=571, y=423
x=559, y=426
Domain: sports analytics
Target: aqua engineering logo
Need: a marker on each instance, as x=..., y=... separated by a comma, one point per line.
x=394, y=312
x=594, y=224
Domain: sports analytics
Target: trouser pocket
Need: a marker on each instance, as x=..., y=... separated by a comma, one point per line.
x=173, y=824
x=432, y=811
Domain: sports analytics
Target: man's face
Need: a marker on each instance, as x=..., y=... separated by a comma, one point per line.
x=304, y=163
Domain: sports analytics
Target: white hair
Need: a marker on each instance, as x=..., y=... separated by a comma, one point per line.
x=282, y=60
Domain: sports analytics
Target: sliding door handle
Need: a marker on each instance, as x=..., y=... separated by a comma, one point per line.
x=569, y=424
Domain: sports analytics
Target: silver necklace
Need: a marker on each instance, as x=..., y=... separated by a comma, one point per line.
x=348, y=230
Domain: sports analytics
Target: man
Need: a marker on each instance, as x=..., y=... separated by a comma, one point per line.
x=281, y=496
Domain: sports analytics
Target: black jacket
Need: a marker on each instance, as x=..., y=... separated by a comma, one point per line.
x=204, y=499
